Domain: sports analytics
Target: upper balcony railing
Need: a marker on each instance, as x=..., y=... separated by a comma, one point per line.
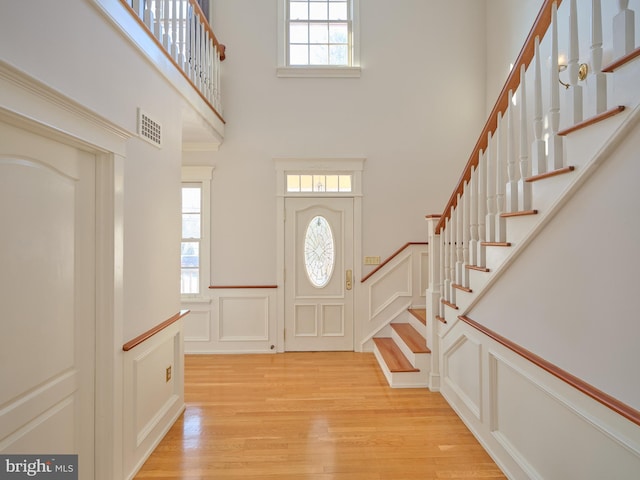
x=182, y=30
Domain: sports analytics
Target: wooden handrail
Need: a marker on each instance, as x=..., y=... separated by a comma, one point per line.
x=605, y=399
x=152, y=331
x=540, y=26
x=621, y=61
x=391, y=257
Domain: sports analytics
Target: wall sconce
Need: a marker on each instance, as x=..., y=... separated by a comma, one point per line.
x=583, y=70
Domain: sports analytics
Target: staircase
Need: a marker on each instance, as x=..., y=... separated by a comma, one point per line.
x=403, y=356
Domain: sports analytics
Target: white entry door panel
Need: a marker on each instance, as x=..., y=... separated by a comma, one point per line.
x=318, y=274
x=47, y=277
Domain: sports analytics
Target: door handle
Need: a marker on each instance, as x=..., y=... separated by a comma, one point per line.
x=349, y=279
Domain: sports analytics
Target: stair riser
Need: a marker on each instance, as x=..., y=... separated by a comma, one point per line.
x=421, y=361
x=417, y=324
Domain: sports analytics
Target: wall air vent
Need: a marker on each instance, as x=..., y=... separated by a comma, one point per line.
x=149, y=129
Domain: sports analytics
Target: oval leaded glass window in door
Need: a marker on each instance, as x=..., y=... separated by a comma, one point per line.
x=319, y=251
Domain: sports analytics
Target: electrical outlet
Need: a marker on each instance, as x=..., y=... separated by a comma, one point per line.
x=372, y=260
x=168, y=374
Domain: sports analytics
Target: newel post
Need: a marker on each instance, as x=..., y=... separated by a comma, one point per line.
x=433, y=295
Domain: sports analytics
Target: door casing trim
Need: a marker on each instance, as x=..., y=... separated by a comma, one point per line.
x=321, y=165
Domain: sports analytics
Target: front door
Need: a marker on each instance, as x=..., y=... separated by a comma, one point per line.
x=318, y=274
x=47, y=292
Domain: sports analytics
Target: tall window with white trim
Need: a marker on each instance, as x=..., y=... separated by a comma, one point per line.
x=196, y=244
x=191, y=238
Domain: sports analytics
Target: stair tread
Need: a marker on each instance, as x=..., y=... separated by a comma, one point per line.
x=420, y=314
x=411, y=337
x=393, y=357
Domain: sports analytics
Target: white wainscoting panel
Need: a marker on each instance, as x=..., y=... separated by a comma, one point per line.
x=232, y=320
x=244, y=319
x=534, y=425
x=151, y=403
x=197, y=325
x=396, y=282
x=462, y=369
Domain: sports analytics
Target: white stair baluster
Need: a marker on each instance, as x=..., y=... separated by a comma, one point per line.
x=597, y=84
x=524, y=187
x=453, y=254
x=466, y=232
x=490, y=222
x=624, y=33
x=166, y=26
x=459, y=235
x=501, y=233
x=513, y=173
x=441, y=281
x=446, y=291
x=554, y=143
x=538, y=156
x=574, y=91
x=473, y=216
x=482, y=208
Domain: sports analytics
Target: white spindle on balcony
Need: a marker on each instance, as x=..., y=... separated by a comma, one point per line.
x=182, y=31
x=156, y=22
x=524, y=187
x=511, y=199
x=624, y=34
x=554, y=142
x=181, y=38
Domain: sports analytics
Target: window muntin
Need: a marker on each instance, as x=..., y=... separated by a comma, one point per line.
x=319, y=32
x=191, y=239
x=332, y=183
x=319, y=251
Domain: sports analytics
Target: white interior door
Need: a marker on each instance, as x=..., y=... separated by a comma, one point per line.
x=318, y=274
x=47, y=277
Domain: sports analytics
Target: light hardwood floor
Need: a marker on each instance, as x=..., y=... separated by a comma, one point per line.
x=311, y=416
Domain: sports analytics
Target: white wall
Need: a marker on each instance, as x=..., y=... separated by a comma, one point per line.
x=508, y=24
x=414, y=115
